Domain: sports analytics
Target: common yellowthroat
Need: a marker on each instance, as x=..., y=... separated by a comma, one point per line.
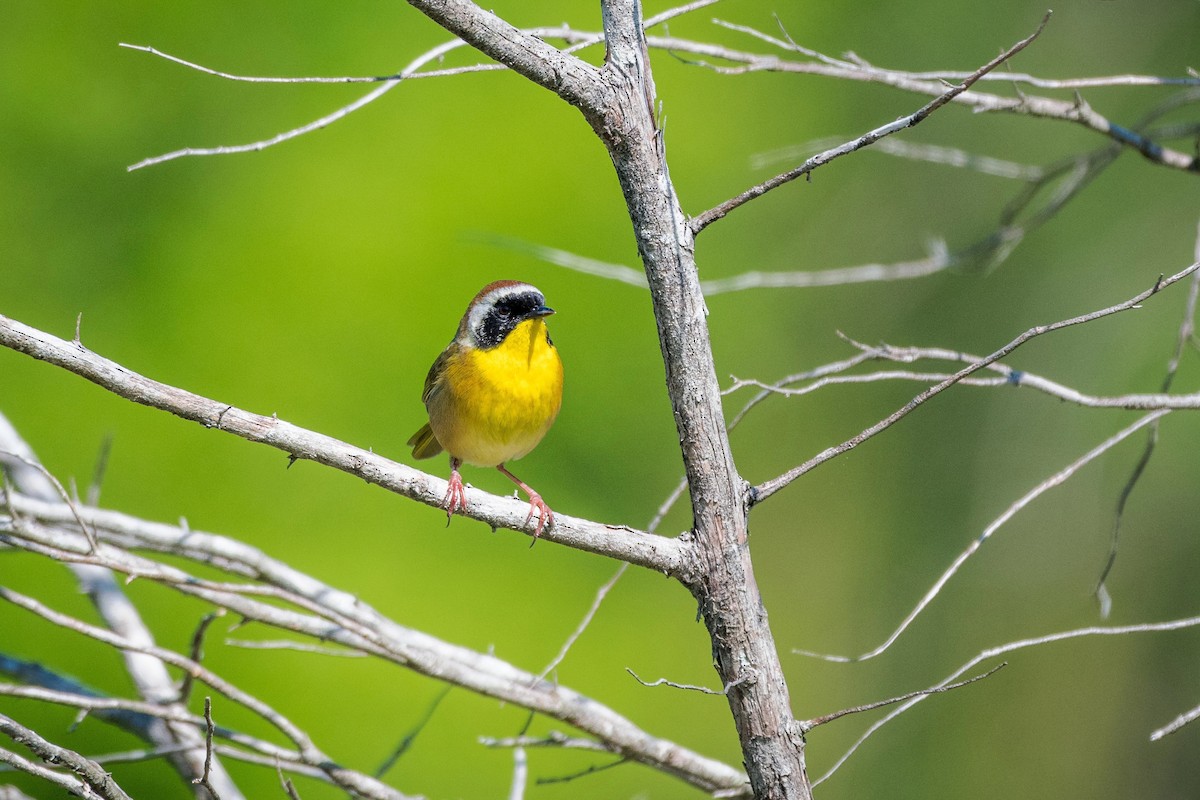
x=494, y=391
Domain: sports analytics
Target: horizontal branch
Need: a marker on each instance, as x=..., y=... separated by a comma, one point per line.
x=1009, y=377
x=340, y=618
x=1074, y=111
x=616, y=541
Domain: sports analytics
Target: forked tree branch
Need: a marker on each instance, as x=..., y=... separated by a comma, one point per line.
x=90, y=778
x=768, y=488
x=702, y=221
x=328, y=615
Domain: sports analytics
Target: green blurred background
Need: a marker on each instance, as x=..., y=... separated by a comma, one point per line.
x=318, y=280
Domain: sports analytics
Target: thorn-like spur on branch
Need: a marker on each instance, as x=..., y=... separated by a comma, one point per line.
x=701, y=221
x=622, y=543
x=768, y=488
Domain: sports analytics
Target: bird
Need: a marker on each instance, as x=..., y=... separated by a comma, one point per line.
x=494, y=392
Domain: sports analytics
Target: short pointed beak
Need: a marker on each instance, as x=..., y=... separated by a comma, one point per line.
x=543, y=311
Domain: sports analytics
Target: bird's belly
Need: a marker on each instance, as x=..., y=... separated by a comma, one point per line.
x=498, y=404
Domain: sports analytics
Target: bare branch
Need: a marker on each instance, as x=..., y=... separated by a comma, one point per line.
x=89, y=776
x=622, y=543
x=118, y=612
x=939, y=689
x=552, y=739
x=1004, y=649
x=687, y=686
x=300, y=647
x=601, y=593
x=410, y=737
x=354, y=624
x=347, y=779
x=583, y=773
x=122, y=712
x=766, y=489
x=1057, y=479
x=1174, y=725
x=1006, y=77
x=197, y=655
x=1187, y=330
x=520, y=774
x=931, y=153
x=315, y=125
x=255, y=79
x=203, y=780
x=938, y=260
x=1010, y=376
x=701, y=221
x=933, y=84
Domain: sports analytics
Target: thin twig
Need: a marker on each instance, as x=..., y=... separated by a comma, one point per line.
x=99, y=470
x=688, y=686
x=583, y=773
x=58, y=487
x=1004, y=649
x=1187, y=329
x=300, y=647
x=766, y=489
x=808, y=725
x=930, y=153
x=1054, y=480
x=410, y=737
x=703, y=220
x=1175, y=724
x=197, y=654
x=552, y=739
x=601, y=593
x=208, y=750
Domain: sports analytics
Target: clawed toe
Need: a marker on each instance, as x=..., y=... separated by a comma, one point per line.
x=545, y=516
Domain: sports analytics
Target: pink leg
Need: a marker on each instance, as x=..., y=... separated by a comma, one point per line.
x=545, y=515
x=455, y=498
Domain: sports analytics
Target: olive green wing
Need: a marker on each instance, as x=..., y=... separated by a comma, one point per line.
x=424, y=443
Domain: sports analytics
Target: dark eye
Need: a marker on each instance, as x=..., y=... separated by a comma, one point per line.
x=504, y=311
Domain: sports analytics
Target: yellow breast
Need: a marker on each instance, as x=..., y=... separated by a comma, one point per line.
x=495, y=405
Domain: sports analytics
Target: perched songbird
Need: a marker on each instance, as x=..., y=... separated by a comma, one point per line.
x=494, y=391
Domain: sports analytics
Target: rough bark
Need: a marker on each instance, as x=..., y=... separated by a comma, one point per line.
x=723, y=578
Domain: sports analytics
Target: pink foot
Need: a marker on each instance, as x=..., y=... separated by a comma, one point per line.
x=545, y=515
x=536, y=503
x=455, y=498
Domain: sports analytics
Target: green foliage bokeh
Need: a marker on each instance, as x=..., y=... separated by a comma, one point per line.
x=319, y=278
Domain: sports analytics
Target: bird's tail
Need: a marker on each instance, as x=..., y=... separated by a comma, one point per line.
x=424, y=443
